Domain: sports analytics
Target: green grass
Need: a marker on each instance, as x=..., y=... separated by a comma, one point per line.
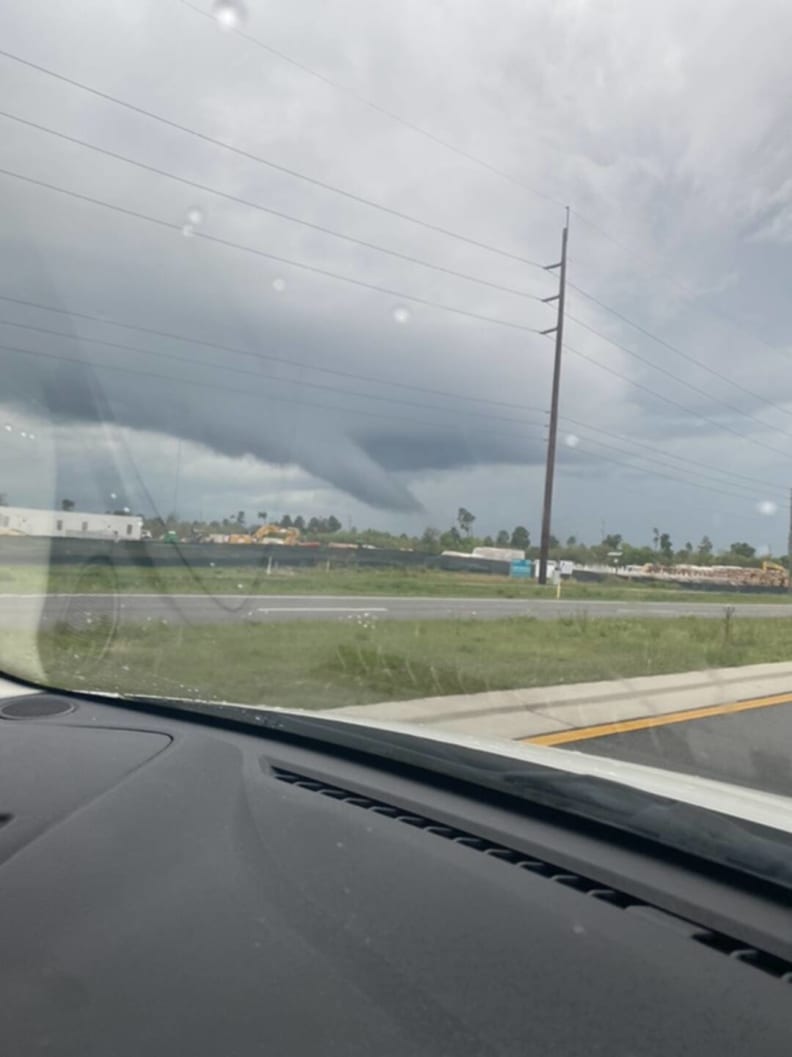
x=90, y=578
x=318, y=665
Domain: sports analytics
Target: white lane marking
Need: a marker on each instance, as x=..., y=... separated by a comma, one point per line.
x=321, y=609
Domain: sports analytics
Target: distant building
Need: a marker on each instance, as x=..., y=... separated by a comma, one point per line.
x=27, y=521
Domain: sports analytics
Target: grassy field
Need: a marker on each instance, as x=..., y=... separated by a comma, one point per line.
x=341, y=581
x=319, y=665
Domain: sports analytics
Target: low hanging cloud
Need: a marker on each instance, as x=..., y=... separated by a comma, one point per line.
x=223, y=347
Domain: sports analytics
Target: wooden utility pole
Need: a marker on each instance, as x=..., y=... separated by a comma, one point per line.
x=558, y=330
x=789, y=546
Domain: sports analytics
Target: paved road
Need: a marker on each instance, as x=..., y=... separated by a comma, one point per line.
x=751, y=748
x=21, y=610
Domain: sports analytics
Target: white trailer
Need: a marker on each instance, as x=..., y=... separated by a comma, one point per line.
x=74, y=524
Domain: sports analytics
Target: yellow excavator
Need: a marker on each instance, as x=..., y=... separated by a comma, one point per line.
x=776, y=574
x=275, y=533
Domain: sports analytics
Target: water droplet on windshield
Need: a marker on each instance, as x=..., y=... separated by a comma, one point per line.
x=8, y=428
x=23, y=433
x=571, y=440
x=195, y=216
x=188, y=230
x=278, y=285
x=230, y=14
x=767, y=507
x=31, y=436
x=401, y=314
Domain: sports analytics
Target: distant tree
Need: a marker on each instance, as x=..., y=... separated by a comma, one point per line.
x=503, y=538
x=656, y=538
x=314, y=525
x=430, y=539
x=571, y=541
x=67, y=504
x=299, y=523
x=613, y=542
x=452, y=539
x=743, y=550
x=333, y=524
x=488, y=541
x=240, y=518
x=553, y=541
x=520, y=538
x=3, y=499
x=704, y=550
x=666, y=547
x=286, y=521
x=465, y=521
x=262, y=515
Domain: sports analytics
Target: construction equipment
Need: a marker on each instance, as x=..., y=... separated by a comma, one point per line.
x=275, y=534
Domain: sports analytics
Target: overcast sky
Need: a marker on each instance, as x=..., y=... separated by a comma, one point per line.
x=173, y=354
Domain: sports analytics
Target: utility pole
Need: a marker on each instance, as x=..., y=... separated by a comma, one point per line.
x=558, y=330
x=789, y=546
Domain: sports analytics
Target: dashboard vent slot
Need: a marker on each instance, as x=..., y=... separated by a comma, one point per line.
x=768, y=963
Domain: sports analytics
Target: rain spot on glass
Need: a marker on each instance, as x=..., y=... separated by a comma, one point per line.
x=31, y=436
x=571, y=440
x=279, y=285
x=23, y=433
x=8, y=427
x=402, y=314
x=113, y=495
x=229, y=14
x=767, y=507
x=195, y=216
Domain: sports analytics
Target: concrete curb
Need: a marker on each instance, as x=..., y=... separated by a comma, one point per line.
x=533, y=711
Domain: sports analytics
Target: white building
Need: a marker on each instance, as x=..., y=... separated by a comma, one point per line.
x=27, y=521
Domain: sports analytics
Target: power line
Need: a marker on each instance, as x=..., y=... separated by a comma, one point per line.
x=312, y=268
x=196, y=185
x=675, y=348
x=476, y=160
x=160, y=354
x=675, y=479
x=170, y=335
x=379, y=289
x=728, y=474
x=314, y=181
x=167, y=225
x=177, y=357
x=215, y=386
x=749, y=491
x=670, y=374
x=448, y=428
x=674, y=281
x=673, y=403
x=377, y=108
x=301, y=364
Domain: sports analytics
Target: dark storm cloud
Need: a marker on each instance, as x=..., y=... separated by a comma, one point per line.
x=415, y=391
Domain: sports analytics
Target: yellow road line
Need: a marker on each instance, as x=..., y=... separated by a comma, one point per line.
x=601, y=730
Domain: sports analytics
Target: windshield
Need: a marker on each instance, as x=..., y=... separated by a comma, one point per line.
x=411, y=363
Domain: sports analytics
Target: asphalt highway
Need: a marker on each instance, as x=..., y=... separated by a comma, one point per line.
x=21, y=610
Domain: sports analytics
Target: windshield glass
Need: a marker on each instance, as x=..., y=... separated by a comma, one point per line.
x=413, y=363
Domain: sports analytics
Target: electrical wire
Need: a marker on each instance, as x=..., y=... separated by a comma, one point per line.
x=675, y=348
x=248, y=155
x=377, y=108
x=368, y=378
x=196, y=185
x=399, y=295
x=673, y=403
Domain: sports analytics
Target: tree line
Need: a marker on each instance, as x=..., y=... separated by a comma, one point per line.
x=612, y=549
